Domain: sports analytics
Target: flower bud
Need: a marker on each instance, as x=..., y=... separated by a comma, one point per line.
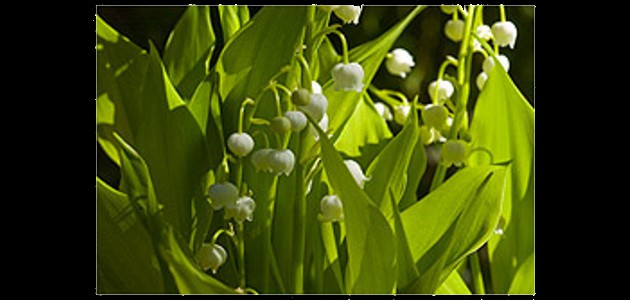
x=435, y=116
x=240, y=143
x=399, y=62
x=383, y=111
x=454, y=30
x=357, y=173
x=481, y=80
x=348, y=13
x=348, y=77
x=444, y=88
x=243, y=210
x=504, y=33
x=454, y=152
x=488, y=63
x=301, y=97
x=297, y=119
x=401, y=112
x=316, y=107
x=223, y=195
x=211, y=256
x=281, y=161
x=331, y=208
x=280, y=124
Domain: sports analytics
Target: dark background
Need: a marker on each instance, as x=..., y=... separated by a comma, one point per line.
x=423, y=38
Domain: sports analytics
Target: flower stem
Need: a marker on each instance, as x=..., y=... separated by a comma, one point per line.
x=306, y=70
x=344, y=45
x=299, y=233
x=242, y=112
x=502, y=12
x=240, y=234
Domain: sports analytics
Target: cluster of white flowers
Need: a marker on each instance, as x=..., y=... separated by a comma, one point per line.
x=274, y=161
x=225, y=195
x=347, y=13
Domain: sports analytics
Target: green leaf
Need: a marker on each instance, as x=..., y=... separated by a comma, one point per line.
x=189, y=48
x=254, y=55
x=233, y=17
x=371, y=243
x=188, y=276
x=343, y=105
x=453, y=221
x=503, y=122
x=126, y=262
x=418, y=164
x=119, y=73
x=453, y=285
x=523, y=282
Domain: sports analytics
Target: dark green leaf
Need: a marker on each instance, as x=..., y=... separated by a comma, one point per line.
x=189, y=48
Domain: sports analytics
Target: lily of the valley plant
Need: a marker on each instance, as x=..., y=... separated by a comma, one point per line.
x=269, y=165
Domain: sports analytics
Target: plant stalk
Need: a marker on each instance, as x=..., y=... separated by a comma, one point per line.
x=299, y=232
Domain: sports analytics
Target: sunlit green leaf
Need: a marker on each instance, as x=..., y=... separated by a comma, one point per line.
x=523, y=282
x=453, y=285
x=189, y=48
x=503, y=122
x=233, y=17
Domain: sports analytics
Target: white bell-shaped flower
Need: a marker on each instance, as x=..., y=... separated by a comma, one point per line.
x=331, y=208
x=481, y=80
x=317, y=106
x=223, y=195
x=348, y=77
x=401, y=112
x=454, y=152
x=383, y=111
x=323, y=125
x=504, y=33
x=297, y=118
x=317, y=89
x=243, y=210
x=488, y=63
x=211, y=256
x=484, y=32
x=435, y=116
x=399, y=62
x=454, y=30
x=348, y=13
x=240, y=143
x=357, y=173
x=444, y=88
x=260, y=159
x=281, y=161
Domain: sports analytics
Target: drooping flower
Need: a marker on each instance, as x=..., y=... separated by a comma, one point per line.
x=223, y=195
x=348, y=77
x=435, y=116
x=454, y=152
x=260, y=159
x=281, y=161
x=444, y=88
x=243, y=210
x=399, y=62
x=211, y=256
x=317, y=106
x=301, y=97
x=348, y=13
x=357, y=173
x=240, y=143
x=331, y=208
x=488, y=63
x=297, y=119
x=481, y=80
x=317, y=89
x=383, y=111
x=280, y=124
x=504, y=33
x=454, y=30
x=401, y=112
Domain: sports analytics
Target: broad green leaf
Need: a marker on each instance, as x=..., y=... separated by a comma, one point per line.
x=503, y=122
x=417, y=166
x=371, y=243
x=173, y=146
x=233, y=17
x=186, y=272
x=189, y=48
x=257, y=52
x=453, y=285
x=407, y=270
x=119, y=72
x=126, y=263
x=343, y=105
x=523, y=282
x=452, y=222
